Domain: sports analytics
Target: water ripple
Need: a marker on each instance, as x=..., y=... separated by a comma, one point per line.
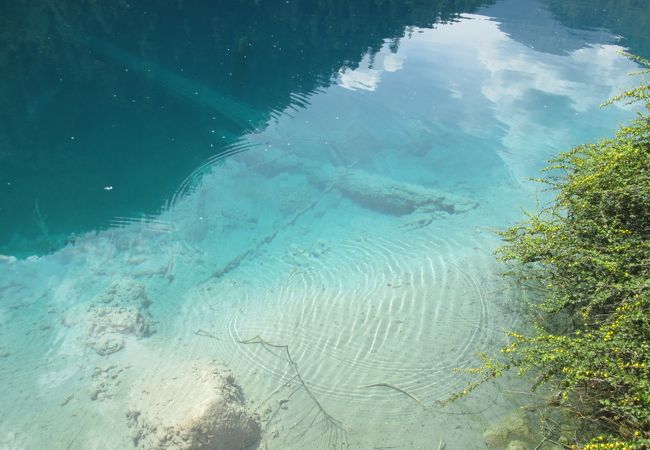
x=372, y=310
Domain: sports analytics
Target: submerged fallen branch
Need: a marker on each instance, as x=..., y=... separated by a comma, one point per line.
x=371, y=191
x=237, y=261
x=334, y=431
x=390, y=386
x=202, y=332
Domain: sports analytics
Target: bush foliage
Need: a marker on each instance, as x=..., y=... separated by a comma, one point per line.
x=589, y=252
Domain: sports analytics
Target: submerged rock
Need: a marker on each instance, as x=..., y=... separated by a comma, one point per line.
x=517, y=445
x=107, y=343
x=129, y=320
x=188, y=406
x=125, y=292
x=513, y=432
x=120, y=311
x=105, y=379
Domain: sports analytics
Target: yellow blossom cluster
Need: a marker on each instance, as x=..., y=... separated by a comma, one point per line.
x=602, y=445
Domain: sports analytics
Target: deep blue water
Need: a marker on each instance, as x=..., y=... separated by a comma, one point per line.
x=81, y=109
x=179, y=180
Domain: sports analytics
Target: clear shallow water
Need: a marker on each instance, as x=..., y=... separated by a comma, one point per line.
x=329, y=185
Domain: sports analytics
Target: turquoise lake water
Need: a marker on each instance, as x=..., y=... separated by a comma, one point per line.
x=187, y=182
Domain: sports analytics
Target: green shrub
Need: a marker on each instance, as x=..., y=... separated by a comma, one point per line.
x=589, y=253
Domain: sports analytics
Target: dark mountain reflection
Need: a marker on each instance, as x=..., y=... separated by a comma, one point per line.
x=89, y=133
x=628, y=19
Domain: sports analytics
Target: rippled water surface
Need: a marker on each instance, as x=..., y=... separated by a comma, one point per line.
x=305, y=192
